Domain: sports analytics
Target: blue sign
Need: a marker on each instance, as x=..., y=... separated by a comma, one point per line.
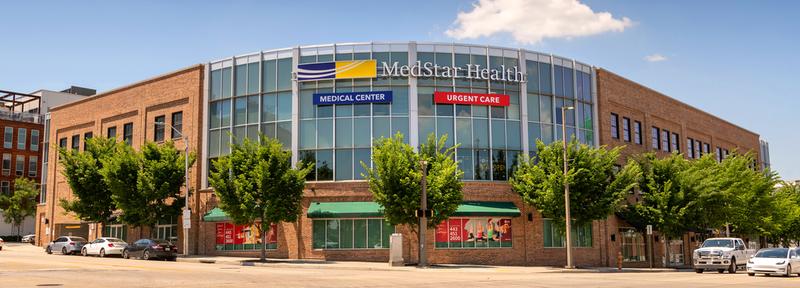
x=353, y=97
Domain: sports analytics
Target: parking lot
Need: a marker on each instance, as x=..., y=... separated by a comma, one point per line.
x=23, y=265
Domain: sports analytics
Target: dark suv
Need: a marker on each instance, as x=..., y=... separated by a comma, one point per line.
x=151, y=249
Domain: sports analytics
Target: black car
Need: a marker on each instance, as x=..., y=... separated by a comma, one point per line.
x=151, y=249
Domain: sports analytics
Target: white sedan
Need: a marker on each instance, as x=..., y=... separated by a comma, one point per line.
x=779, y=261
x=1, y=244
x=104, y=246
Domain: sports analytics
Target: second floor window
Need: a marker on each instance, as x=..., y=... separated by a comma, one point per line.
x=614, y=126
x=127, y=133
x=637, y=132
x=676, y=145
x=654, y=135
x=665, y=140
x=111, y=132
x=626, y=129
x=33, y=169
x=34, y=140
x=177, y=125
x=6, y=164
x=76, y=142
x=158, y=129
x=20, y=165
x=690, y=147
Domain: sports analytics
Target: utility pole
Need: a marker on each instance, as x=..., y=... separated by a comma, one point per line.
x=423, y=222
x=566, y=185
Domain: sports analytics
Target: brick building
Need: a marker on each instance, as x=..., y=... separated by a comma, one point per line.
x=277, y=93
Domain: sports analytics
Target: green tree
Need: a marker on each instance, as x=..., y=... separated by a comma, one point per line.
x=787, y=201
x=749, y=193
x=146, y=185
x=396, y=176
x=596, y=187
x=256, y=183
x=92, y=200
x=20, y=204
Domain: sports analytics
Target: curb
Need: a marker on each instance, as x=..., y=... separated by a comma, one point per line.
x=299, y=265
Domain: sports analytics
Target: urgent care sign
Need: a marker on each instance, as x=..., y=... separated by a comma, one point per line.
x=470, y=98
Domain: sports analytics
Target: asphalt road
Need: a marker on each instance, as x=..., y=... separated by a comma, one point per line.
x=23, y=265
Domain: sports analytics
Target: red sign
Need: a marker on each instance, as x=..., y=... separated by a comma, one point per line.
x=228, y=233
x=470, y=98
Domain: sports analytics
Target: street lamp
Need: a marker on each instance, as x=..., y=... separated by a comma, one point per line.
x=186, y=179
x=566, y=185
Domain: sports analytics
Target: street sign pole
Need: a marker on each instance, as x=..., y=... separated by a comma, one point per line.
x=650, y=244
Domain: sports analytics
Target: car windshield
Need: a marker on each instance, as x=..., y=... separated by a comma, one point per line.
x=78, y=239
x=718, y=243
x=773, y=253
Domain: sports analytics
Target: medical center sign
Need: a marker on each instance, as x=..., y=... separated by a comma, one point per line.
x=369, y=68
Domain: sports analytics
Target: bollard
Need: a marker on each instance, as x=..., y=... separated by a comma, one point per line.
x=619, y=261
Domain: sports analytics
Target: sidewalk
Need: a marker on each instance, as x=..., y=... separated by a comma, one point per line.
x=380, y=266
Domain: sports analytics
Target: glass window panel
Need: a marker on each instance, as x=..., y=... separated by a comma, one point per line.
x=308, y=134
x=284, y=74
x=444, y=110
x=324, y=165
x=344, y=132
x=380, y=127
x=268, y=129
x=325, y=111
x=361, y=125
x=480, y=128
x=533, y=76
x=309, y=159
x=512, y=159
x=344, y=110
x=216, y=84
x=346, y=233
x=400, y=100
x=361, y=156
x=400, y=124
x=425, y=101
x=481, y=162
x=380, y=109
x=499, y=165
x=252, y=109
x=545, y=84
x=464, y=158
x=319, y=234
x=226, y=82
x=268, y=75
x=547, y=133
x=269, y=107
x=240, y=111
x=332, y=234
x=361, y=110
x=463, y=110
x=307, y=107
x=464, y=132
x=213, y=143
x=498, y=134
x=344, y=164
x=546, y=109
x=569, y=87
x=285, y=106
x=324, y=133
x=241, y=80
x=285, y=133
x=360, y=231
x=374, y=233
x=534, y=133
x=427, y=125
x=252, y=78
x=444, y=125
x=480, y=111
x=513, y=136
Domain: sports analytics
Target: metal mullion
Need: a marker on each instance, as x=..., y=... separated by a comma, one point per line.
x=554, y=128
x=261, y=94
x=489, y=115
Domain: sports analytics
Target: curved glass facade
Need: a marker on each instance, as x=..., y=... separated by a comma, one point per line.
x=262, y=93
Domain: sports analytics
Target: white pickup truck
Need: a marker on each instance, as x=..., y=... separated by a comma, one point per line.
x=721, y=254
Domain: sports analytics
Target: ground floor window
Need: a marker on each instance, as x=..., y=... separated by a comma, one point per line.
x=554, y=237
x=167, y=229
x=474, y=233
x=358, y=233
x=119, y=231
x=231, y=237
x=632, y=245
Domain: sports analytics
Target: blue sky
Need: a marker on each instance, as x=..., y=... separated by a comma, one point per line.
x=735, y=59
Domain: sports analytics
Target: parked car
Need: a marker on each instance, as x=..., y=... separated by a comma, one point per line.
x=104, y=246
x=30, y=238
x=781, y=261
x=67, y=245
x=721, y=254
x=151, y=249
x=1, y=244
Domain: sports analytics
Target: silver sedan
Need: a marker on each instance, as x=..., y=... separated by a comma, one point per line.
x=777, y=261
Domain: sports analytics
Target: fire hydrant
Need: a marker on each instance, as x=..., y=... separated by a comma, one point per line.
x=619, y=261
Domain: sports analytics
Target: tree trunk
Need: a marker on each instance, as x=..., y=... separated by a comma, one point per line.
x=264, y=228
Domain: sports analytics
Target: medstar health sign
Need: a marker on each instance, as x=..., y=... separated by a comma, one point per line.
x=369, y=69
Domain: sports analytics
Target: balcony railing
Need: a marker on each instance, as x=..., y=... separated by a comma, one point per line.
x=21, y=116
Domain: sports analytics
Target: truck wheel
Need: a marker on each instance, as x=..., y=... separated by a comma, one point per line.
x=698, y=271
x=732, y=269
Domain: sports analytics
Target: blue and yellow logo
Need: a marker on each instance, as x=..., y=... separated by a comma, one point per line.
x=337, y=70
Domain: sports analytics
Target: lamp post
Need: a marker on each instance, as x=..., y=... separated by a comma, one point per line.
x=423, y=222
x=186, y=179
x=566, y=185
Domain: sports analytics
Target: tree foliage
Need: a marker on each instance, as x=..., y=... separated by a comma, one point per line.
x=81, y=169
x=396, y=176
x=21, y=203
x=256, y=183
x=146, y=185
x=596, y=187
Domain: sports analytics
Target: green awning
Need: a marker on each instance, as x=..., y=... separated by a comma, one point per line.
x=215, y=215
x=344, y=210
x=372, y=209
x=475, y=208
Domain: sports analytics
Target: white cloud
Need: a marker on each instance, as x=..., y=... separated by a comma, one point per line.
x=655, y=58
x=530, y=21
